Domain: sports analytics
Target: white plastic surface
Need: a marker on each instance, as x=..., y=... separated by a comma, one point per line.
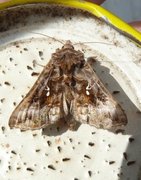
x=87, y=153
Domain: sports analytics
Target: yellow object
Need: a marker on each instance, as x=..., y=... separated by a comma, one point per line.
x=90, y=7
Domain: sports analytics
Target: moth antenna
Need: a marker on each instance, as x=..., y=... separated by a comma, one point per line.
x=94, y=43
x=48, y=37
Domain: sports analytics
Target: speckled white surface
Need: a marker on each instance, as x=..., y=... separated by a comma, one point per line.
x=56, y=152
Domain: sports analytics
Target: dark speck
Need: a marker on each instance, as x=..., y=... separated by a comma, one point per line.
x=29, y=169
x=49, y=143
x=59, y=148
x=14, y=103
x=9, y=167
x=131, y=139
x=91, y=144
x=40, y=53
x=38, y=150
x=116, y=92
x=29, y=68
x=51, y=167
x=25, y=49
x=11, y=59
x=2, y=100
x=35, y=74
x=13, y=152
x=93, y=133
x=66, y=159
x=3, y=128
x=111, y=162
x=90, y=173
x=129, y=163
x=18, y=168
x=7, y=83
x=125, y=156
x=70, y=139
x=109, y=145
x=86, y=156
x=34, y=135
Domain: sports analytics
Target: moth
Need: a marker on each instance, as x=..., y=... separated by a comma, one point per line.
x=68, y=90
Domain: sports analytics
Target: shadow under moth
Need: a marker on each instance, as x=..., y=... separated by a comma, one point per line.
x=68, y=90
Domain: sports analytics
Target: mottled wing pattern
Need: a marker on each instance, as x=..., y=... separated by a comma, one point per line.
x=95, y=105
x=39, y=108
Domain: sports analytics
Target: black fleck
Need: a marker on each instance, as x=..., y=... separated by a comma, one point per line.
x=91, y=144
x=93, y=133
x=34, y=135
x=131, y=139
x=49, y=143
x=2, y=100
x=35, y=74
x=66, y=159
x=7, y=83
x=25, y=49
x=125, y=156
x=86, y=156
x=13, y=152
x=11, y=59
x=14, y=103
x=40, y=53
x=9, y=167
x=109, y=145
x=70, y=139
x=3, y=128
x=51, y=167
x=59, y=148
x=116, y=92
x=37, y=150
x=29, y=68
x=129, y=163
x=111, y=162
x=90, y=173
x=18, y=168
x=29, y=169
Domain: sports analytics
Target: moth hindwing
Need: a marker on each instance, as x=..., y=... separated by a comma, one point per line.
x=68, y=89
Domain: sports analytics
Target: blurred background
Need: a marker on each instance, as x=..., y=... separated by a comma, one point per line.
x=128, y=10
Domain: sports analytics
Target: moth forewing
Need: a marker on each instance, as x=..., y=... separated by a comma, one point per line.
x=68, y=89
x=32, y=112
x=101, y=109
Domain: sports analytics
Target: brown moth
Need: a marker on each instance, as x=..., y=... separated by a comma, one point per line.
x=68, y=89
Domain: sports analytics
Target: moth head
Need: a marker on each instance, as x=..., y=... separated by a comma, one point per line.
x=68, y=45
x=67, y=58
